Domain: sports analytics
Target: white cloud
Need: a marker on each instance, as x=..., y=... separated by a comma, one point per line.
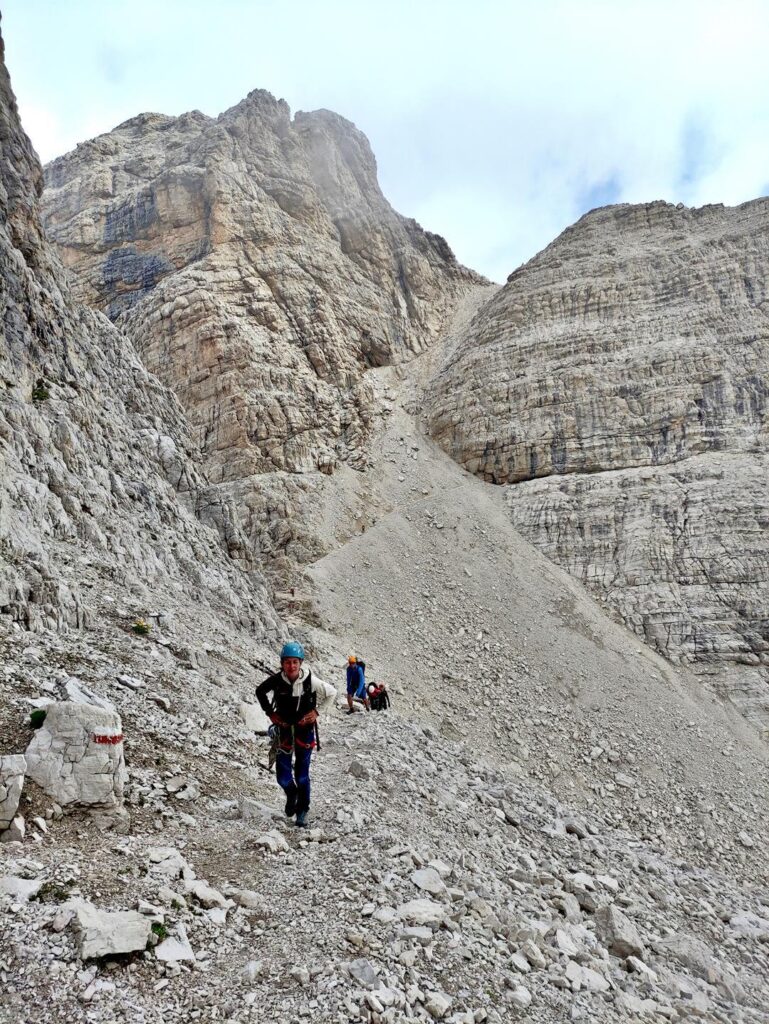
x=494, y=123
x=43, y=128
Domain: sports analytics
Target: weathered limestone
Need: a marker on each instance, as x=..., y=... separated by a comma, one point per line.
x=103, y=933
x=422, y=912
x=255, y=262
x=253, y=717
x=619, y=381
x=76, y=756
x=681, y=552
x=175, y=948
x=96, y=454
x=15, y=831
x=429, y=880
x=22, y=889
x=618, y=933
x=13, y=767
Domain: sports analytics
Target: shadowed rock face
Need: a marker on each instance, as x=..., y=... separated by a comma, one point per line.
x=260, y=271
x=619, y=381
x=101, y=489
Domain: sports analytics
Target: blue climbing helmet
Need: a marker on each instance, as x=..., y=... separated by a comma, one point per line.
x=292, y=650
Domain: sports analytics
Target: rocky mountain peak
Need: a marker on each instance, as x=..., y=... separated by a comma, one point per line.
x=260, y=270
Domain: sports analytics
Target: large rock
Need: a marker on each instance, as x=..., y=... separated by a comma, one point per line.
x=176, y=947
x=428, y=880
x=20, y=889
x=619, y=380
x=76, y=756
x=103, y=933
x=255, y=262
x=618, y=933
x=253, y=717
x=422, y=912
x=582, y=977
x=12, y=770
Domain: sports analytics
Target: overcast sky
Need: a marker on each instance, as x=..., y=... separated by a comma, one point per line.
x=495, y=123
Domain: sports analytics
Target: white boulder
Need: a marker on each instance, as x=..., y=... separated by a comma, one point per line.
x=175, y=947
x=253, y=717
x=206, y=895
x=20, y=889
x=106, y=933
x=422, y=912
x=428, y=880
x=76, y=756
x=15, y=831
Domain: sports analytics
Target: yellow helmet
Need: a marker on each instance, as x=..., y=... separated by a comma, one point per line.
x=352, y=659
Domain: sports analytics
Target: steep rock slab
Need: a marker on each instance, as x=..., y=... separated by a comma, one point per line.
x=637, y=341
x=100, y=482
x=257, y=266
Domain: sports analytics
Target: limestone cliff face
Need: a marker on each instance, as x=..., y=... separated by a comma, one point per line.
x=260, y=271
x=619, y=381
x=102, y=496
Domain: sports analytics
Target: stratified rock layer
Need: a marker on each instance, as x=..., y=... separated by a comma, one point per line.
x=637, y=342
x=260, y=271
x=99, y=480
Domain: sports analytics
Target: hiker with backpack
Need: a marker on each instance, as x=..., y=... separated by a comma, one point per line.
x=290, y=699
x=378, y=697
x=356, y=683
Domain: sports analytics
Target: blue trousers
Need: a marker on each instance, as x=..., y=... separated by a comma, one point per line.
x=292, y=770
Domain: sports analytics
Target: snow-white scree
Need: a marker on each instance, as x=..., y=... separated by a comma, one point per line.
x=549, y=824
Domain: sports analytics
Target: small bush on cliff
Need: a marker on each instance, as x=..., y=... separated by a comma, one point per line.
x=40, y=391
x=141, y=628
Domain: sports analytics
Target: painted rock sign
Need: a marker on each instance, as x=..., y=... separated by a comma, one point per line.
x=77, y=757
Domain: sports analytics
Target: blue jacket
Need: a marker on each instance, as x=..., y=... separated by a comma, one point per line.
x=356, y=681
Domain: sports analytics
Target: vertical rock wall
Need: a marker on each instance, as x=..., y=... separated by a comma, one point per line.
x=99, y=478
x=619, y=383
x=260, y=272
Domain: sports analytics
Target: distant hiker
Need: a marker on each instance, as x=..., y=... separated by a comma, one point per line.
x=290, y=699
x=356, y=683
x=378, y=697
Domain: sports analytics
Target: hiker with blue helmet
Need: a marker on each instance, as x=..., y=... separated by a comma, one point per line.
x=356, y=683
x=290, y=699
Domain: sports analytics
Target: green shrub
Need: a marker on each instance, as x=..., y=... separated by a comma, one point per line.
x=37, y=717
x=40, y=391
x=141, y=628
x=54, y=892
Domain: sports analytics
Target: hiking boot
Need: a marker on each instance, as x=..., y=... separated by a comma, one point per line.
x=301, y=819
x=290, y=805
x=350, y=711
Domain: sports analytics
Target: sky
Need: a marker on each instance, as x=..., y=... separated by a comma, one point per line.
x=495, y=123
